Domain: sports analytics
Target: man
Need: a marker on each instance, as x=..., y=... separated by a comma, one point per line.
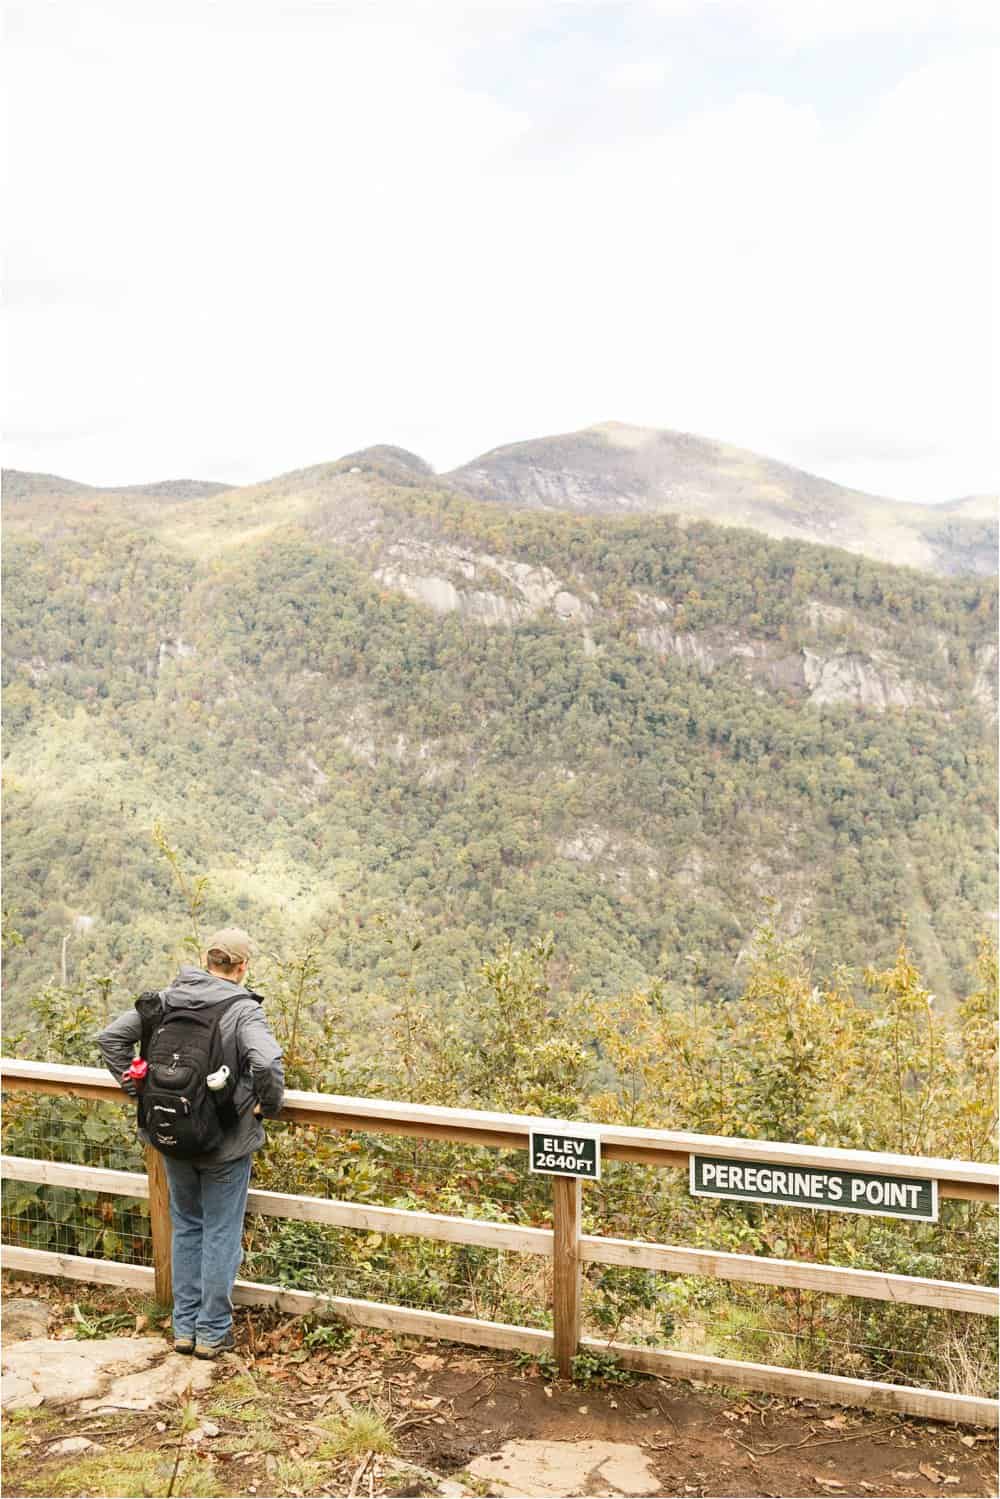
x=208, y=1194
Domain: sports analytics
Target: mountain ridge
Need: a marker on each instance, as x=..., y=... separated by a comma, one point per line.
x=613, y=468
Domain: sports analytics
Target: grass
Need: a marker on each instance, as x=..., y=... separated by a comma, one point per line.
x=361, y=1430
x=155, y=1311
x=969, y=1364
x=242, y=1399
x=258, y=1438
x=239, y=1399
x=22, y=1427
x=298, y=1475
x=123, y=1475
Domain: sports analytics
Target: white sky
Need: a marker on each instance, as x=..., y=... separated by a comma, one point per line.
x=249, y=235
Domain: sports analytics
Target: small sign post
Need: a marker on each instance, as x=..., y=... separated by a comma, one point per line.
x=815, y=1187
x=566, y=1150
x=572, y=1154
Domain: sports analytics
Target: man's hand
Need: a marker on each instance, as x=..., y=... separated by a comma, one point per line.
x=128, y=1085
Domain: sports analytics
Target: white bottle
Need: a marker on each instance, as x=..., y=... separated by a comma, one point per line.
x=217, y=1080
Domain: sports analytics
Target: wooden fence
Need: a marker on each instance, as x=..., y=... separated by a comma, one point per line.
x=563, y=1244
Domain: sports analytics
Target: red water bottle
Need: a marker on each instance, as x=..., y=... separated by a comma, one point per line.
x=137, y=1072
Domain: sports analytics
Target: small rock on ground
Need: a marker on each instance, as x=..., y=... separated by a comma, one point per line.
x=24, y=1318
x=163, y=1384
x=567, y=1469
x=71, y=1445
x=133, y=1373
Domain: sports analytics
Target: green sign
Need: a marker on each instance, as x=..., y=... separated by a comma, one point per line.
x=815, y=1187
x=566, y=1150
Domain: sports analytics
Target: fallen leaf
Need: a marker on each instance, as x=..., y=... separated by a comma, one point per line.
x=836, y=1423
x=548, y=1390
x=141, y=1323
x=899, y=1473
x=929, y=1471
x=582, y=1409
x=967, y=1441
x=952, y=1478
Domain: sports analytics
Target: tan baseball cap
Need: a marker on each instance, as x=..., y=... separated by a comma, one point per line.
x=233, y=941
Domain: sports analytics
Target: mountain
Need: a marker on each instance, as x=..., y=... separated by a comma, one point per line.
x=24, y=488
x=608, y=469
x=366, y=704
x=615, y=469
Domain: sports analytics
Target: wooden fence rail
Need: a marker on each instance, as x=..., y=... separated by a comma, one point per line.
x=564, y=1244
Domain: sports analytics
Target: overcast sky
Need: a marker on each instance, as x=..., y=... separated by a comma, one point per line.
x=249, y=235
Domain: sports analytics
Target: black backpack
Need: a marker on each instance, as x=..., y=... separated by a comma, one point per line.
x=183, y=1117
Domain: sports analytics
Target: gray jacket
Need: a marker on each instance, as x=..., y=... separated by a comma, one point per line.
x=252, y=1055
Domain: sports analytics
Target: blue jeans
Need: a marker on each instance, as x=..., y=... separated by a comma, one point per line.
x=207, y=1205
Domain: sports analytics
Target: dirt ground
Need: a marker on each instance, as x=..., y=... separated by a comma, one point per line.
x=710, y=1442
x=265, y=1426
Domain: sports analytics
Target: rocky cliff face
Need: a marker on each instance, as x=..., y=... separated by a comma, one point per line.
x=490, y=590
x=501, y=592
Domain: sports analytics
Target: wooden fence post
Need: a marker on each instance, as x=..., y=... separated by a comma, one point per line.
x=160, y=1226
x=566, y=1271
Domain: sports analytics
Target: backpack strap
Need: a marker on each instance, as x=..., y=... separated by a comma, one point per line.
x=150, y=1007
x=223, y=1099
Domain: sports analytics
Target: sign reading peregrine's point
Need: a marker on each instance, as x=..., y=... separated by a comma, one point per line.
x=815, y=1187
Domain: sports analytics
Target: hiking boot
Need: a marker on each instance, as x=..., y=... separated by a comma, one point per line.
x=212, y=1350
x=183, y=1345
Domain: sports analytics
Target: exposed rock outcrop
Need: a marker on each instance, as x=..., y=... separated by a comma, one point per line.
x=870, y=677
x=440, y=577
x=984, y=687
x=124, y=1373
x=497, y=591
x=361, y=738
x=174, y=650
x=870, y=681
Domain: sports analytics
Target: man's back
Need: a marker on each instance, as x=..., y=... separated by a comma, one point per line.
x=249, y=1047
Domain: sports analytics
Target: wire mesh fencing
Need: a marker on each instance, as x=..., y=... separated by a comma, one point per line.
x=395, y=1171
x=832, y=1334
x=74, y=1220
x=466, y=1280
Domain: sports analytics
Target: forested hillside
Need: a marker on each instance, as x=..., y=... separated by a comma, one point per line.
x=365, y=705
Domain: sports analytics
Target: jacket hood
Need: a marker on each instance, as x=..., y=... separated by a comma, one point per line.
x=194, y=987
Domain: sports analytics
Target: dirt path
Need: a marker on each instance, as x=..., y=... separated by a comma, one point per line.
x=278, y=1417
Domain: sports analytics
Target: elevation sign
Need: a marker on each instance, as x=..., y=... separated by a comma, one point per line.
x=566, y=1150
x=813, y=1187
